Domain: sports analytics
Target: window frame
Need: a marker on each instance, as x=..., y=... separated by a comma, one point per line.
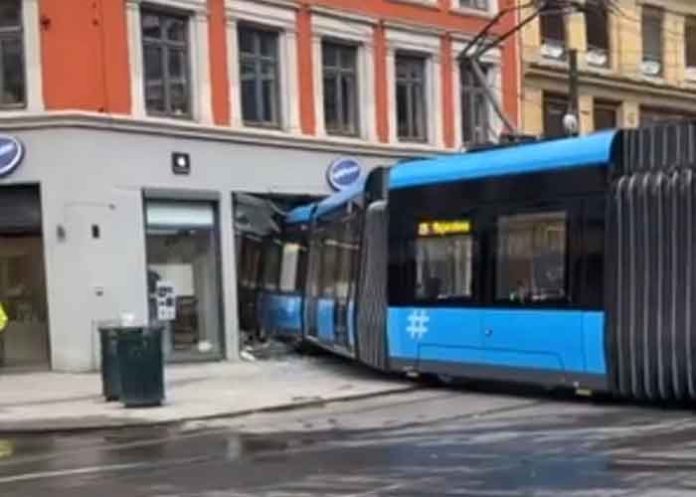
x=690, y=41
x=548, y=100
x=15, y=33
x=654, y=16
x=423, y=135
x=597, y=11
x=604, y=105
x=165, y=45
x=544, y=39
x=340, y=72
x=258, y=59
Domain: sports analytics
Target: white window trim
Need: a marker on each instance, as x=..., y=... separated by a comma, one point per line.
x=493, y=60
x=31, y=24
x=429, y=46
x=284, y=19
x=199, y=56
x=360, y=33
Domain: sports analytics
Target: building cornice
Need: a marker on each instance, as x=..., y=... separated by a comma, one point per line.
x=22, y=121
x=613, y=82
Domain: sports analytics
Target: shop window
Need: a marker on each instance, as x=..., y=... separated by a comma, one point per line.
x=12, y=78
x=651, y=22
x=166, y=63
x=552, y=27
x=555, y=107
x=531, y=257
x=259, y=74
x=597, y=32
x=604, y=115
x=690, y=42
x=444, y=267
x=476, y=126
x=340, y=88
x=474, y=4
x=182, y=255
x=411, y=98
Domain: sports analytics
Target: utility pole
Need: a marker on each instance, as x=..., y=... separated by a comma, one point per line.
x=571, y=121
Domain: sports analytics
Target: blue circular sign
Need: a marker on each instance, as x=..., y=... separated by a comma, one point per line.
x=11, y=154
x=343, y=173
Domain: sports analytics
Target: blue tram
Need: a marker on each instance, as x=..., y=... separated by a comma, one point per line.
x=567, y=263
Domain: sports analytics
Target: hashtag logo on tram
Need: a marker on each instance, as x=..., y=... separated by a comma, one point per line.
x=418, y=324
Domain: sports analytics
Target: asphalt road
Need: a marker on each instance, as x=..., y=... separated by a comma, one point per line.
x=424, y=443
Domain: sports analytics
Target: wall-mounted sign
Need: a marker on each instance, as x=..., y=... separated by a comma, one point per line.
x=442, y=228
x=11, y=154
x=343, y=173
x=181, y=163
x=166, y=301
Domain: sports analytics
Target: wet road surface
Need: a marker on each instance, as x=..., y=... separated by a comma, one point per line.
x=424, y=443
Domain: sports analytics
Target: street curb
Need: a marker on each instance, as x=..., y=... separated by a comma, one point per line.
x=53, y=426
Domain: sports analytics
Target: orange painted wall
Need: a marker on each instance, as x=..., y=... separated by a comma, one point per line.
x=219, y=80
x=381, y=100
x=447, y=91
x=84, y=49
x=306, y=71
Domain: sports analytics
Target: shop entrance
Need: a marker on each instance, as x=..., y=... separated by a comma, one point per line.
x=183, y=280
x=24, y=342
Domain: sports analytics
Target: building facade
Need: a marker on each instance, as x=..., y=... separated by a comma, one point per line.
x=636, y=59
x=138, y=121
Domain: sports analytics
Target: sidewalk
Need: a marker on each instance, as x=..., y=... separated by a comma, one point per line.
x=39, y=402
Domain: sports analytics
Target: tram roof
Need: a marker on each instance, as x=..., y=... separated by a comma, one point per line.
x=331, y=202
x=301, y=214
x=594, y=149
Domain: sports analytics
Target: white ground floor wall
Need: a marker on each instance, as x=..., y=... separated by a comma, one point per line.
x=92, y=176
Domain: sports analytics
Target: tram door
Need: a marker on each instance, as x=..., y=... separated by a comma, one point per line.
x=346, y=281
x=312, y=286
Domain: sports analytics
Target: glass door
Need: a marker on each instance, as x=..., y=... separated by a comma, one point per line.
x=183, y=269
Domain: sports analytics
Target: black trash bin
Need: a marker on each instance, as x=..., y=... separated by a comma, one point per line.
x=141, y=367
x=111, y=378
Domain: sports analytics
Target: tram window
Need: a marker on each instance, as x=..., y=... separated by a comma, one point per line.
x=289, y=267
x=271, y=265
x=531, y=257
x=444, y=266
x=329, y=256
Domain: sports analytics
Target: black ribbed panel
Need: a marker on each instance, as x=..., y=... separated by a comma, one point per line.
x=651, y=297
x=658, y=147
x=372, y=289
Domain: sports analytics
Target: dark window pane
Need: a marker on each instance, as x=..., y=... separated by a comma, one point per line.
x=176, y=29
x=597, y=25
x=444, y=267
x=179, y=98
x=269, y=44
x=246, y=40
x=329, y=55
x=177, y=63
x=10, y=13
x=402, y=117
x=151, y=26
x=604, y=116
x=330, y=103
x=410, y=98
x=474, y=4
x=247, y=69
x=531, y=257
x=652, y=34
x=153, y=62
x=154, y=96
x=268, y=68
x=555, y=107
x=690, y=39
x=249, y=104
x=12, y=72
x=268, y=94
x=552, y=28
x=475, y=116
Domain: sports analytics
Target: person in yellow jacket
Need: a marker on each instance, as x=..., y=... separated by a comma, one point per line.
x=3, y=324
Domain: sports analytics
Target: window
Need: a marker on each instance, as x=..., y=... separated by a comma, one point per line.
x=604, y=115
x=552, y=27
x=340, y=88
x=258, y=67
x=410, y=98
x=290, y=267
x=690, y=40
x=12, y=82
x=555, y=107
x=272, y=260
x=474, y=4
x=475, y=108
x=531, y=257
x=166, y=60
x=444, y=267
x=329, y=258
x=597, y=31
x=652, y=41
x=651, y=115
